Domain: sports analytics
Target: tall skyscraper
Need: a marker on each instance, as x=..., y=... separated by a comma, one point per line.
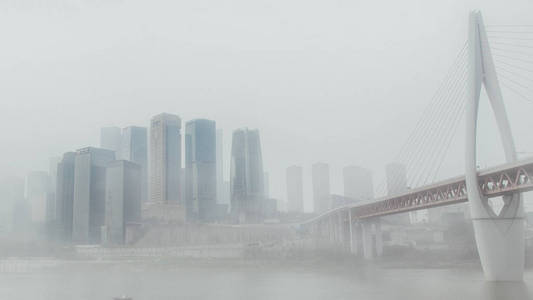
x=165, y=159
x=246, y=180
x=396, y=178
x=12, y=194
x=65, y=196
x=122, y=199
x=201, y=173
x=110, y=138
x=134, y=147
x=37, y=189
x=89, y=193
x=266, y=184
x=295, y=199
x=358, y=183
x=321, y=192
x=396, y=174
x=52, y=171
x=21, y=210
x=221, y=198
x=51, y=196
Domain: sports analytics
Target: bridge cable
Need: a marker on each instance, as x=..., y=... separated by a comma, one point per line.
x=428, y=113
x=512, y=66
x=431, y=129
x=423, y=140
x=448, y=133
x=433, y=153
x=517, y=92
x=432, y=135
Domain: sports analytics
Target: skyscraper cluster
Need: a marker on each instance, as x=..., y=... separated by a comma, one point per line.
x=96, y=194
x=99, y=191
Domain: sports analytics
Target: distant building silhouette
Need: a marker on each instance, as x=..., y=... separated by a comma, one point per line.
x=294, y=176
x=222, y=197
x=246, y=180
x=110, y=138
x=358, y=183
x=12, y=191
x=266, y=184
x=89, y=193
x=339, y=200
x=122, y=199
x=165, y=159
x=201, y=173
x=51, y=200
x=65, y=196
x=396, y=174
x=134, y=147
x=321, y=189
x=37, y=189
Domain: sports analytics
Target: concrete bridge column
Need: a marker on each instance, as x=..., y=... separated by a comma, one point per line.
x=331, y=229
x=341, y=240
x=378, y=237
x=353, y=234
x=372, y=238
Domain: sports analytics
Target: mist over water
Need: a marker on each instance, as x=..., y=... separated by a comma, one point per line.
x=267, y=149
x=255, y=280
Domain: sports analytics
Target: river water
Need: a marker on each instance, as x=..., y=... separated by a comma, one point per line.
x=261, y=280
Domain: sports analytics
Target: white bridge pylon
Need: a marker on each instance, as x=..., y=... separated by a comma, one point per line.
x=499, y=237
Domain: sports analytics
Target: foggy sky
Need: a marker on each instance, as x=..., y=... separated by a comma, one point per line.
x=341, y=82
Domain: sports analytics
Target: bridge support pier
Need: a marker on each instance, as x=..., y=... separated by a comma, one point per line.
x=500, y=243
x=499, y=236
x=372, y=238
x=354, y=234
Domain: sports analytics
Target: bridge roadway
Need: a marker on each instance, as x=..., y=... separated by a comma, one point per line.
x=497, y=181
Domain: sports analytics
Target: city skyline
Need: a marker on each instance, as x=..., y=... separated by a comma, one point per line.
x=132, y=92
x=269, y=149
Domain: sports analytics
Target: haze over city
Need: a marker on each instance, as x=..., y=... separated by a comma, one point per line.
x=322, y=81
x=275, y=149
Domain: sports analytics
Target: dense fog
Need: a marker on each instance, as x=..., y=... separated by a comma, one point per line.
x=266, y=149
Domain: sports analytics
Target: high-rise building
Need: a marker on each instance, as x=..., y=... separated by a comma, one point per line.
x=122, y=199
x=246, y=180
x=12, y=194
x=110, y=138
x=165, y=159
x=52, y=171
x=200, y=165
x=134, y=148
x=396, y=174
x=321, y=191
x=396, y=178
x=358, y=183
x=221, y=198
x=226, y=193
x=295, y=199
x=89, y=193
x=51, y=196
x=21, y=222
x=266, y=184
x=65, y=196
x=37, y=189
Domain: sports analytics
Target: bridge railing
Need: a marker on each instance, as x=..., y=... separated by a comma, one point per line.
x=493, y=182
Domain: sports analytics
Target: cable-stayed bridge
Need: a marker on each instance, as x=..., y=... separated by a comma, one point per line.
x=493, y=57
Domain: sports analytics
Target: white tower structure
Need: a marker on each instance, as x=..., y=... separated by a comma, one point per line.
x=499, y=237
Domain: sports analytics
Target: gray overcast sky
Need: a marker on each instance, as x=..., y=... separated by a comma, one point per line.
x=336, y=81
